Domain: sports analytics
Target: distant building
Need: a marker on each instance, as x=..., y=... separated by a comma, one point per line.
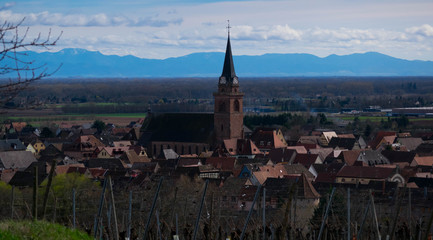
x=413, y=111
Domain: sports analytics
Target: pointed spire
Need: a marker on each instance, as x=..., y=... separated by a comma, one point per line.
x=228, y=68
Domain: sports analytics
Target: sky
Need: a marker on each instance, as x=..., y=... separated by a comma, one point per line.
x=170, y=28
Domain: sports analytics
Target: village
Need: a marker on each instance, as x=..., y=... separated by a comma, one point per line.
x=383, y=186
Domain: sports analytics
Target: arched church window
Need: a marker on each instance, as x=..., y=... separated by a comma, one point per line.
x=222, y=107
x=237, y=106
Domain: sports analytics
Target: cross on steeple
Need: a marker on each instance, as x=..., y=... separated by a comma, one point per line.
x=228, y=27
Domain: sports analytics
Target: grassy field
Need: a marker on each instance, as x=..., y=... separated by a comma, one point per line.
x=14, y=230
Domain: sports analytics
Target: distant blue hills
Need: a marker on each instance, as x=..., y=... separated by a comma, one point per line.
x=88, y=64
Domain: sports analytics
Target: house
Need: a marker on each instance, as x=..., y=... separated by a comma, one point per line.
x=342, y=143
x=268, y=138
x=37, y=145
x=241, y=148
x=305, y=197
x=230, y=193
x=350, y=157
x=422, y=162
x=16, y=159
x=168, y=154
x=278, y=155
x=322, y=152
x=298, y=149
x=409, y=143
x=131, y=157
x=83, y=147
x=226, y=165
x=326, y=137
x=297, y=170
x=372, y=158
x=424, y=149
x=400, y=158
x=11, y=145
x=309, y=139
x=327, y=173
x=51, y=152
x=274, y=171
x=383, y=138
x=363, y=175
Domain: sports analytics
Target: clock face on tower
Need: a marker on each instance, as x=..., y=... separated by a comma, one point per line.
x=222, y=80
x=235, y=80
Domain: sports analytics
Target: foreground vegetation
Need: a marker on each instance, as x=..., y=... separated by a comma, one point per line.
x=17, y=230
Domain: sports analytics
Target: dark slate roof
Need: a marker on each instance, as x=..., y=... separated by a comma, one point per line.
x=25, y=179
x=181, y=127
x=144, y=166
x=365, y=172
x=346, y=143
x=425, y=149
x=399, y=156
x=305, y=159
x=11, y=145
x=16, y=159
x=105, y=163
x=326, y=173
x=422, y=182
x=228, y=68
x=278, y=155
x=281, y=187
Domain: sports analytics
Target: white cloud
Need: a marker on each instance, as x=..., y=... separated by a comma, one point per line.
x=7, y=5
x=76, y=20
x=425, y=30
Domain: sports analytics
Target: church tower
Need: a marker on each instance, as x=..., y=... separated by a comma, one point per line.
x=228, y=114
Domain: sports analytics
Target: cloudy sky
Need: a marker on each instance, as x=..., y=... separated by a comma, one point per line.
x=171, y=28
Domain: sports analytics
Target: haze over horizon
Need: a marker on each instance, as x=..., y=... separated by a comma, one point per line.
x=168, y=28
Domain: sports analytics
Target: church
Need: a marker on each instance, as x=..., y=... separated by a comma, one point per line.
x=197, y=133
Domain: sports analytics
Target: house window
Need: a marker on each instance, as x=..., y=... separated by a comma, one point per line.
x=154, y=149
x=222, y=127
x=233, y=199
x=175, y=148
x=183, y=150
x=196, y=149
x=189, y=148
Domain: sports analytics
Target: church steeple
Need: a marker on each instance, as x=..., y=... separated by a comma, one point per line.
x=228, y=113
x=229, y=75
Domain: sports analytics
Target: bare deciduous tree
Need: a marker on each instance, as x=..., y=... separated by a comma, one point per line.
x=16, y=70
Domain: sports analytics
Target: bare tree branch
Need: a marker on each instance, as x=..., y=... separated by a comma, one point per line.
x=17, y=69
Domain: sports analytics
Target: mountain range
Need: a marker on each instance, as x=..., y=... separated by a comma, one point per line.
x=77, y=63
